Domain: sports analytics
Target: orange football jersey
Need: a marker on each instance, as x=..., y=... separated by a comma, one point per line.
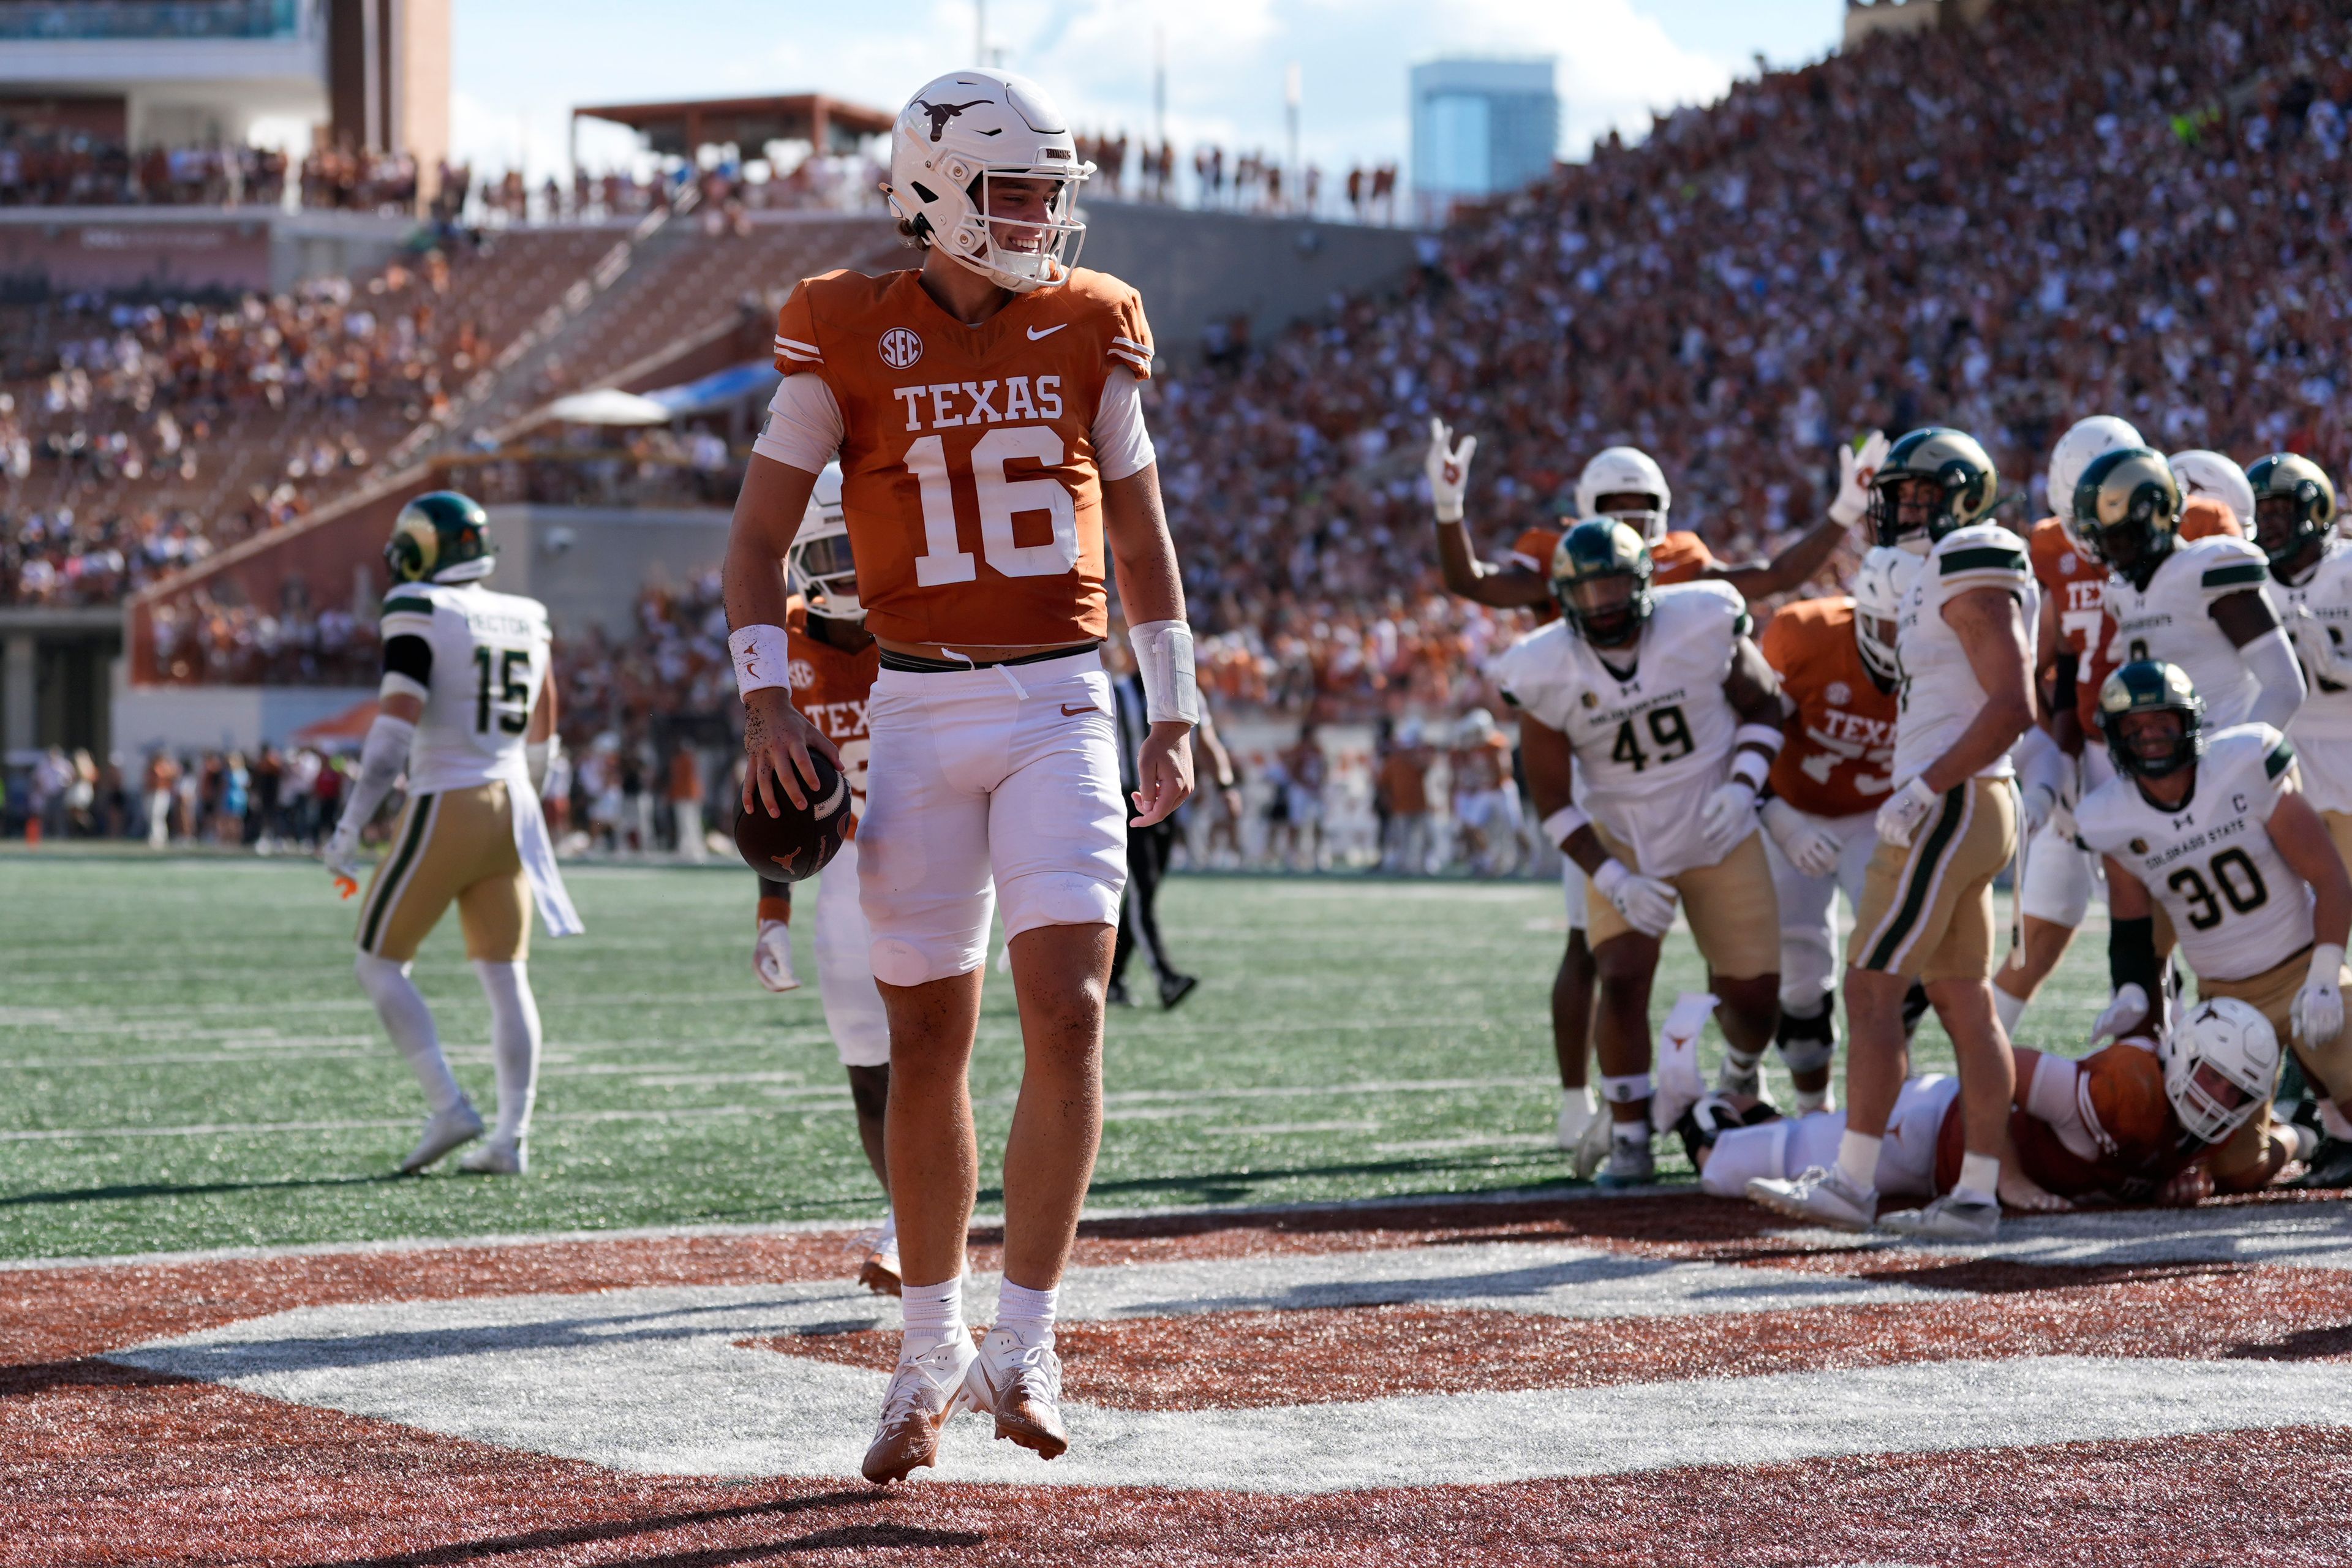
x=1680, y=557
x=1839, y=758
x=968, y=470
x=831, y=689
x=1533, y=550
x=2119, y=1091
x=2079, y=587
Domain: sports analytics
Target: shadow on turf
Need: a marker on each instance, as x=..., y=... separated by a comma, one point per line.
x=1235, y=1186
x=835, y=1538
x=182, y=1189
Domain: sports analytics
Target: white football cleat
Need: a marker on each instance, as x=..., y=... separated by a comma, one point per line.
x=498, y=1157
x=772, y=957
x=1577, y=1111
x=1821, y=1196
x=925, y=1391
x=1955, y=1216
x=444, y=1130
x=1592, y=1147
x=876, y=1251
x=1019, y=1381
x=1631, y=1165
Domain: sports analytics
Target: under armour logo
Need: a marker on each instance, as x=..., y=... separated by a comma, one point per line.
x=942, y=113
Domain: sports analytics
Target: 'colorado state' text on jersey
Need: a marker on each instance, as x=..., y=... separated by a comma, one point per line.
x=2322, y=728
x=1651, y=744
x=1940, y=695
x=2238, y=908
x=490, y=659
x=832, y=689
x=1839, y=753
x=2173, y=621
x=968, y=473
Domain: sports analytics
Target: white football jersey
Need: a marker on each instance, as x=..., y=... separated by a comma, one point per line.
x=2322, y=728
x=2237, y=907
x=490, y=659
x=1939, y=693
x=1652, y=744
x=2173, y=621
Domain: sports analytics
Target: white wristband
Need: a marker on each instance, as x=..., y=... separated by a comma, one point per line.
x=761, y=658
x=1562, y=824
x=1612, y=872
x=2326, y=965
x=1163, y=655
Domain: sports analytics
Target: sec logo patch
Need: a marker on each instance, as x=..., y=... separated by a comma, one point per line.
x=900, y=348
x=800, y=673
x=1839, y=693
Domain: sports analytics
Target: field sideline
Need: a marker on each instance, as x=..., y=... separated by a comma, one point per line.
x=190, y=1064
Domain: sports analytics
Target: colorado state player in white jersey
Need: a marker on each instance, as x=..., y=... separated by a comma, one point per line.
x=2311, y=573
x=1660, y=702
x=987, y=412
x=2216, y=831
x=466, y=709
x=2200, y=604
x=1965, y=646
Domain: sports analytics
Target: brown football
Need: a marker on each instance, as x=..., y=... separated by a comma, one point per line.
x=798, y=843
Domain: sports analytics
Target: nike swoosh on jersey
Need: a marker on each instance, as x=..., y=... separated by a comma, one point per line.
x=1037, y=332
x=1070, y=712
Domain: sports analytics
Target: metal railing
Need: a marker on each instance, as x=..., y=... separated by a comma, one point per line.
x=26, y=21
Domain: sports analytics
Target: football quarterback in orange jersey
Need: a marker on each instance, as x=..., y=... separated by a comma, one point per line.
x=1624, y=483
x=2138, y=1121
x=995, y=469
x=2076, y=655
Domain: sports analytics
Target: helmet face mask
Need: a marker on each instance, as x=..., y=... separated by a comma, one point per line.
x=1879, y=589
x=1601, y=575
x=440, y=537
x=2126, y=513
x=1934, y=481
x=984, y=170
x=2153, y=719
x=2219, y=1064
x=820, y=566
x=2294, y=506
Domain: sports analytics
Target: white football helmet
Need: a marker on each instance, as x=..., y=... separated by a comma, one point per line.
x=1625, y=470
x=1879, y=590
x=973, y=126
x=2218, y=1065
x=819, y=566
x=2087, y=439
x=2218, y=477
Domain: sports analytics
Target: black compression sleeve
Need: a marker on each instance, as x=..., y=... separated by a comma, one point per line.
x=775, y=889
x=2131, y=956
x=410, y=656
x=2068, y=672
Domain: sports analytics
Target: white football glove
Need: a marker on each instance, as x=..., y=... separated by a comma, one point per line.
x=772, y=957
x=2125, y=1011
x=1856, y=467
x=341, y=853
x=1904, y=810
x=2319, y=1005
x=1811, y=847
x=1728, y=816
x=1448, y=467
x=1647, y=904
x=2040, y=803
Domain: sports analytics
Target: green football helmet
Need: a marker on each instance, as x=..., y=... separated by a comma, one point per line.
x=2126, y=513
x=2294, y=503
x=2152, y=686
x=1593, y=554
x=1955, y=462
x=440, y=537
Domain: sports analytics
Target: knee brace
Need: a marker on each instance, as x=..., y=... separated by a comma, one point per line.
x=1807, y=1041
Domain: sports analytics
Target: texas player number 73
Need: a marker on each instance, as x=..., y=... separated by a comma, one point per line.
x=1001, y=501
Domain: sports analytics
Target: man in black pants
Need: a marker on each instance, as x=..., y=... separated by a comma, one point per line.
x=1147, y=848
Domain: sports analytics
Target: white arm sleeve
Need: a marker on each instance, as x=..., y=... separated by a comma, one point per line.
x=1122, y=446
x=2272, y=658
x=382, y=756
x=804, y=426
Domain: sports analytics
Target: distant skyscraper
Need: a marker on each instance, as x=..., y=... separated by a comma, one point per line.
x=1480, y=127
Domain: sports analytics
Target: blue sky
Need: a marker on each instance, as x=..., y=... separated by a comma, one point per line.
x=522, y=64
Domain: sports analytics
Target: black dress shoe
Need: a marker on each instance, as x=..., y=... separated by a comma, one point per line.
x=1175, y=988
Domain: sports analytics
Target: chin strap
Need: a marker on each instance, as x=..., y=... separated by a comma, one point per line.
x=1163, y=655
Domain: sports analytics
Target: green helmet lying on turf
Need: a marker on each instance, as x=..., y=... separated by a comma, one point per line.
x=2126, y=513
x=2294, y=503
x=1600, y=573
x=2151, y=750
x=1954, y=463
x=440, y=537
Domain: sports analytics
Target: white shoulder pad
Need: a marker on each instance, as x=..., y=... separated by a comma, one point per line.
x=2251, y=758
x=1536, y=674
x=2227, y=565
x=2100, y=816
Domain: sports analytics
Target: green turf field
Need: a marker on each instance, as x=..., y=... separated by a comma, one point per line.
x=185, y=1060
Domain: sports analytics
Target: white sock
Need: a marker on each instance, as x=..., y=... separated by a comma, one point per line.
x=1738, y=1062
x=409, y=1022
x=514, y=1043
x=2333, y=1122
x=1636, y=1133
x=2011, y=1009
x=1980, y=1177
x=1029, y=1314
x=934, y=1317
x=1812, y=1099
x=1858, y=1158
x=1577, y=1109
x=1625, y=1091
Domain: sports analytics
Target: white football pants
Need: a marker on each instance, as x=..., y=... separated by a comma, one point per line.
x=1791, y=1146
x=844, y=966
x=1812, y=952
